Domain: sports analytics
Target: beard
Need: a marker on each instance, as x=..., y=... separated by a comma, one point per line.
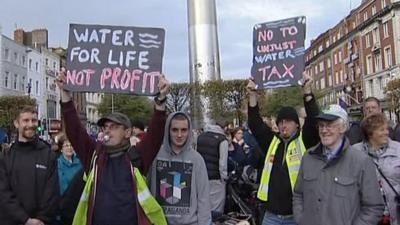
x=29, y=133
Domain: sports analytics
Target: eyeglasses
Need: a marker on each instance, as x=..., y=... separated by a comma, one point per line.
x=327, y=125
x=112, y=126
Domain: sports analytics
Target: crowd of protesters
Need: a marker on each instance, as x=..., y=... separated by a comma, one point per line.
x=323, y=170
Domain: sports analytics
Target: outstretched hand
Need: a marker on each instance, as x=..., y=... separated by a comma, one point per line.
x=163, y=86
x=307, y=79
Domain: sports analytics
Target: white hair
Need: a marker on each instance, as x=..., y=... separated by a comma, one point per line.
x=344, y=123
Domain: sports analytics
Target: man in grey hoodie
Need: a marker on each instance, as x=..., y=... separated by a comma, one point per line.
x=179, y=178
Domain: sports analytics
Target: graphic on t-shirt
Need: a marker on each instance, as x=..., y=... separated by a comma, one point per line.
x=174, y=186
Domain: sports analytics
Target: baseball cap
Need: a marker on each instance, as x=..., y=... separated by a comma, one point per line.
x=333, y=112
x=116, y=118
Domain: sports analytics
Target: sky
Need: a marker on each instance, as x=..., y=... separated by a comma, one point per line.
x=235, y=19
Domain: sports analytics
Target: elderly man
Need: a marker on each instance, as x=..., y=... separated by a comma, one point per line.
x=336, y=184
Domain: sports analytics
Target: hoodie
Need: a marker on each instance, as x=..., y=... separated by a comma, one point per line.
x=179, y=182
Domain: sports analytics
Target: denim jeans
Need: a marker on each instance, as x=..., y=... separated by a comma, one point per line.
x=272, y=219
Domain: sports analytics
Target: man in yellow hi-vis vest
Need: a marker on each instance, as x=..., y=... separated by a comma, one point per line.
x=116, y=192
x=284, y=151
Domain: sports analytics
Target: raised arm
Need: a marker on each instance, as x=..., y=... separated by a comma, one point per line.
x=310, y=131
x=82, y=143
x=151, y=144
x=260, y=130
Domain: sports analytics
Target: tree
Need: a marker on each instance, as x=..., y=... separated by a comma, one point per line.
x=135, y=107
x=392, y=91
x=226, y=98
x=9, y=107
x=273, y=100
x=179, y=97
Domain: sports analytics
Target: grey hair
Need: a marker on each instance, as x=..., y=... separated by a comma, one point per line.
x=344, y=123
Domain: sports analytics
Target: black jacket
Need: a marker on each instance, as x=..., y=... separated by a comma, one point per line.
x=28, y=183
x=280, y=191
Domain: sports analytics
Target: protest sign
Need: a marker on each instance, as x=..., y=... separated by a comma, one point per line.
x=278, y=53
x=114, y=59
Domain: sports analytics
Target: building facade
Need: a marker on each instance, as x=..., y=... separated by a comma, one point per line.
x=36, y=81
x=358, y=56
x=13, y=67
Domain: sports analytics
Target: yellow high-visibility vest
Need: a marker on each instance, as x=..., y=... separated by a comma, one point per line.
x=147, y=202
x=295, y=151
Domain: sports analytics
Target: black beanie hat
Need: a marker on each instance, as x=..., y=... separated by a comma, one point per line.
x=287, y=113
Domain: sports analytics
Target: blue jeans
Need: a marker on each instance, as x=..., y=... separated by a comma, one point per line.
x=272, y=219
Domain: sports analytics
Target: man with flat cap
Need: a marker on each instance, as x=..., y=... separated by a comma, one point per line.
x=116, y=192
x=284, y=151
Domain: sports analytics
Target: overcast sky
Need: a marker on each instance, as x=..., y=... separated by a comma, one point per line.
x=236, y=19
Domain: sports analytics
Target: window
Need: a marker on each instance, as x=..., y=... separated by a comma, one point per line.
x=6, y=79
x=327, y=43
x=365, y=16
x=367, y=41
x=334, y=39
x=22, y=84
x=47, y=83
x=316, y=70
x=388, y=57
x=341, y=76
x=385, y=30
x=330, y=80
x=6, y=54
x=54, y=65
x=375, y=35
x=378, y=62
x=16, y=57
x=37, y=87
x=373, y=10
x=369, y=64
x=47, y=62
x=371, y=87
x=328, y=62
x=23, y=60
x=30, y=64
x=15, y=81
x=383, y=2
x=335, y=59
x=336, y=78
x=340, y=56
x=321, y=66
x=380, y=83
x=322, y=83
x=37, y=67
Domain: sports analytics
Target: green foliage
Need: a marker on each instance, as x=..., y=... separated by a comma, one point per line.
x=135, y=107
x=9, y=107
x=273, y=100
x=226, y=98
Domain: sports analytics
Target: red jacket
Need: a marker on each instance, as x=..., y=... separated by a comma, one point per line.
x=85, y=146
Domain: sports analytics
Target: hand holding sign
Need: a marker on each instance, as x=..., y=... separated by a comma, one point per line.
x=252, y=92
x=60, y=81
x=307, y=83
x=163, y=86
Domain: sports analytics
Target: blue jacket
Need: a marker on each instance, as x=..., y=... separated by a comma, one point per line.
x=67, y=171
